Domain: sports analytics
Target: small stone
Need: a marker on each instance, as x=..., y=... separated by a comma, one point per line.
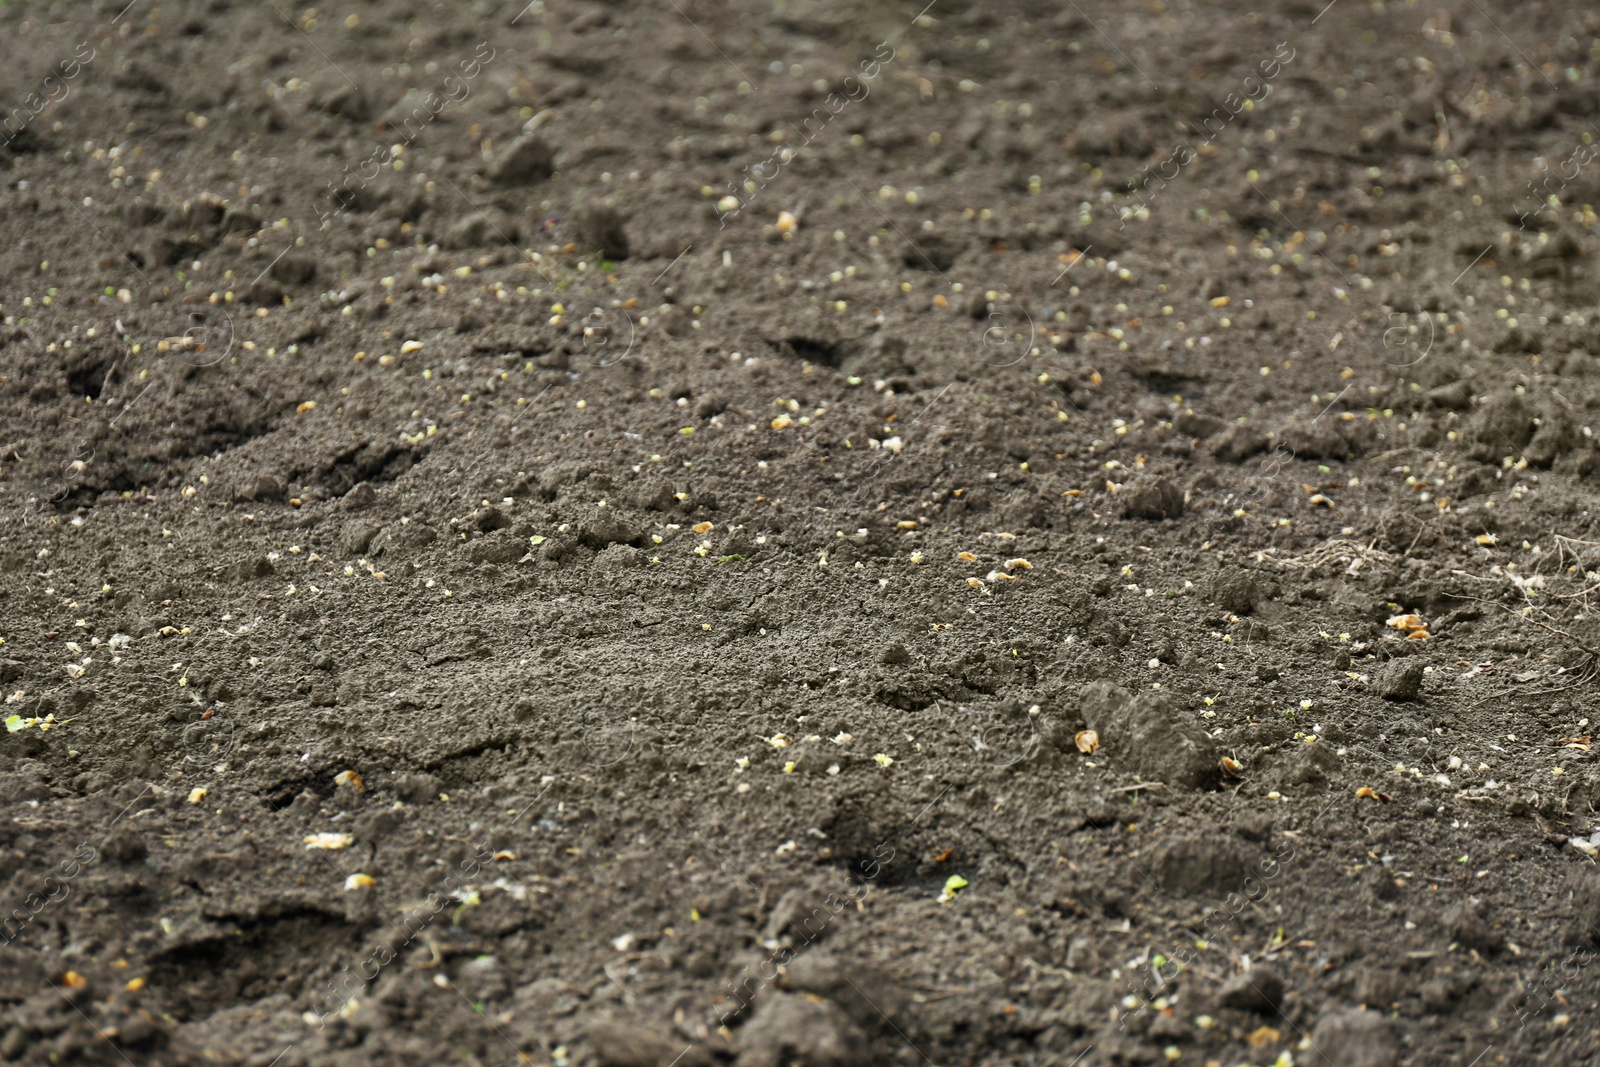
x=1400, y=680
x=1259, y=990
x=1355, y=1039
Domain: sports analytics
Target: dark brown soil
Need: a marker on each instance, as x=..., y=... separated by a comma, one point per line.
x=705, y=533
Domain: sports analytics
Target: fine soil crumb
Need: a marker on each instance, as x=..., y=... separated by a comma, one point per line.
x=1202, y=866
x=792, y=1029
x=527, y=160
x=1235, y=592
x=1468, y=923
x=1356, y=1039
x=636, y=1043
x=1159, y=500
x=1147, y=738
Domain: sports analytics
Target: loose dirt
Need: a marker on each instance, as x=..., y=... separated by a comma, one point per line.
x=689, y=533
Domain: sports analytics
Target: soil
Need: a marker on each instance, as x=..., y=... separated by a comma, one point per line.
x=617, y=533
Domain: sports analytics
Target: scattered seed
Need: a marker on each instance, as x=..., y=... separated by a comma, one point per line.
x=1407, y=623
x=330, y=841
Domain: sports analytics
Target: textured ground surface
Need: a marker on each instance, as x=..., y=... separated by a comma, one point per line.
x=633, y=533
